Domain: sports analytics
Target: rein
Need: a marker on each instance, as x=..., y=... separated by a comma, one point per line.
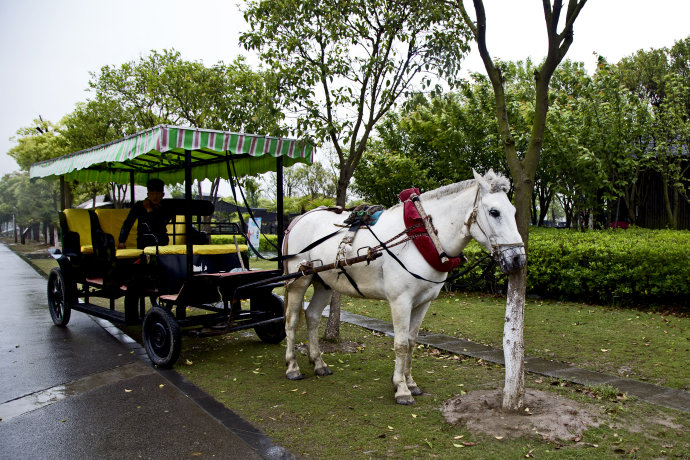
x=385, y=247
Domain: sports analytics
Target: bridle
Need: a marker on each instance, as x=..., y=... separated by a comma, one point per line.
x=496, y=248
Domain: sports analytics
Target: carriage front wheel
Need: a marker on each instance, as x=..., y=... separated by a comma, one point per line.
x=161, y=336
x=267, y=307
x=58, y=298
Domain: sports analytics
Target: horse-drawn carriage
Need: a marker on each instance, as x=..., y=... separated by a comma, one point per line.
x=407, y=256
x=212, y=278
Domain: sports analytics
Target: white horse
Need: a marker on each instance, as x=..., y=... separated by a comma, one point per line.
x=478, y=209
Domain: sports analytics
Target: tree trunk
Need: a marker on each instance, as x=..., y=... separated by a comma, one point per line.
x=332, y=333
x=333, y=326
x=667, y=203
x=513, y=343
x=513, y=338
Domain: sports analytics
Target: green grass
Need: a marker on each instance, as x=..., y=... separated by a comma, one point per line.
x=650, y=346
x=353, y=412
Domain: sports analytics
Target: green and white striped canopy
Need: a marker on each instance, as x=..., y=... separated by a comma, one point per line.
x=160, y=152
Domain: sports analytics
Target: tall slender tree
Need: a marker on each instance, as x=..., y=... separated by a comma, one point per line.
x=523, y=166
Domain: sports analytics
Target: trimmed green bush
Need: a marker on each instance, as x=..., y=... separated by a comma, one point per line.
x=264, y=246
x=632, y=267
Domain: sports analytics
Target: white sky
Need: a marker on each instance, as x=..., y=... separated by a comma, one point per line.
x=48, y=47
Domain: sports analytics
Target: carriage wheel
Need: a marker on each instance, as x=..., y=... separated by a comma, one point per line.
x=161, y=336
x=58, y=298
x=272, y=307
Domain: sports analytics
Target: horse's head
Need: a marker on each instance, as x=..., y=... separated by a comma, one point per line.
x=491, y=222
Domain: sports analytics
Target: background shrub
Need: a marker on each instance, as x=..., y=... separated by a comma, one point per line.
x=264, y=245
x=634, y=266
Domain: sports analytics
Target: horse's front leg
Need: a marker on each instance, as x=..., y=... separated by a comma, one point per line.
x=294, y=296
x=416, y=319
x=400, y=311
x=318, y=302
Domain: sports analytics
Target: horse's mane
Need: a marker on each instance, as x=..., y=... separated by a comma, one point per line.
x=498, y=182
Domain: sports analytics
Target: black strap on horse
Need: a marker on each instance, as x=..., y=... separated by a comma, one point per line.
x=419, y=277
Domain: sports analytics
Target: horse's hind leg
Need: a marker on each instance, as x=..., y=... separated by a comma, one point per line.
x=416, y=319
x=294, y=295
x=313, y=314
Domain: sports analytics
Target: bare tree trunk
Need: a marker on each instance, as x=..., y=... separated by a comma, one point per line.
x=333, y=326
x=513, y=343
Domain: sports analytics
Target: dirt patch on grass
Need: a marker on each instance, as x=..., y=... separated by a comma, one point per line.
x=344, y=346
x=549, y=416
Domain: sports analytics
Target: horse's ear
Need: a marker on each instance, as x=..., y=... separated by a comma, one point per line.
x=483, y=184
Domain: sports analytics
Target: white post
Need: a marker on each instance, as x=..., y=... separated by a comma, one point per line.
x=513, y=343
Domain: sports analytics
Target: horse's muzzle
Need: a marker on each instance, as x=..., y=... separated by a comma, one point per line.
x=511, y=258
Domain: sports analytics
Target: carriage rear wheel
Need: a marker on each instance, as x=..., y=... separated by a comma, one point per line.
x=269, y=306
x=58, y=298
x=161, y=335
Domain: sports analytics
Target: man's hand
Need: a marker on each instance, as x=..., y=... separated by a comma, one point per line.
x=148, y=205
x=122, y=246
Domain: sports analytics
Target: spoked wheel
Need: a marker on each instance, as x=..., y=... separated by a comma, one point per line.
x=58, y=298
x=272, y=307
x=161, y=336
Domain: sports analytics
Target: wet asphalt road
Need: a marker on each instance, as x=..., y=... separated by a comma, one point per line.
x=78, y=392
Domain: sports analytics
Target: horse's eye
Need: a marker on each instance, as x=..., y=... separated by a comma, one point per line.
x=495, y=213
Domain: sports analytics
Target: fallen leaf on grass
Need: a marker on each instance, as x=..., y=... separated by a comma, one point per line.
x=459, y=436
x=457, y=445
x=188, y=362
x=605, y=350
x=468, y=443
x=127, y=391
x=414, y=415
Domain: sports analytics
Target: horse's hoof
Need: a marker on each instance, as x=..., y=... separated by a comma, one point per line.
x=296, y=375
x=323, y=371
x=405, y=400
x=416, y=391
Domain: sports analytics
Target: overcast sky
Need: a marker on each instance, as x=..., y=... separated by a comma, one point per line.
x=48, y=47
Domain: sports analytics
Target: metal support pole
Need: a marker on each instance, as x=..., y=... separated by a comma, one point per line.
x=188, y=210
x=131, y=189
x=280, y=210
x=63, y=205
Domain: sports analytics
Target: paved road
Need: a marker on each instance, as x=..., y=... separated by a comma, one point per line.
x=78, y=392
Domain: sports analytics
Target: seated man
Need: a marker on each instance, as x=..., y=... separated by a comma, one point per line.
x=153, y=218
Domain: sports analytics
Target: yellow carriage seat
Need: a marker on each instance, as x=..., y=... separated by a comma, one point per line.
x=79, y=221
x=111, y=221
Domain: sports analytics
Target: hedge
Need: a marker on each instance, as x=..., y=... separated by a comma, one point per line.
x=632, y=267
x=264, y=246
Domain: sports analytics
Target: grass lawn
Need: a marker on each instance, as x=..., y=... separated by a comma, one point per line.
x=353, y=412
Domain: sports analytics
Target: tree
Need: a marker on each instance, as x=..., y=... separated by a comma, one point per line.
x=163, y=88
x=523, y=167
x=95, y=122
x=383, y=174
x=661, y=77
x=671, y=130
x=342, y=65
x=35, y=202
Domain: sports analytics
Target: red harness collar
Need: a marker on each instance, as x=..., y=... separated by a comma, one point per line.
x=421, y=238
